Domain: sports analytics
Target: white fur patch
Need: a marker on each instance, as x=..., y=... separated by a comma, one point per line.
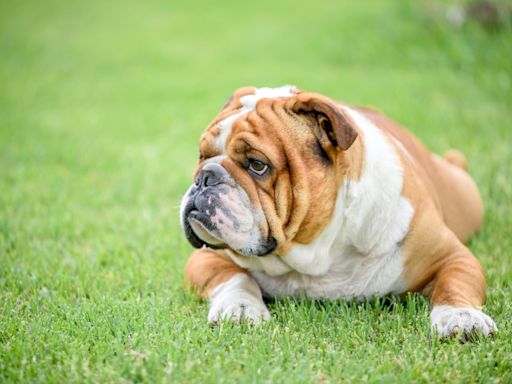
x=358, y=254
x=249, y=104
x=238, y=299
x=449, y=321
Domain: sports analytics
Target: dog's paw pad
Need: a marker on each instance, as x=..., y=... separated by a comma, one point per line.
x=448, y=321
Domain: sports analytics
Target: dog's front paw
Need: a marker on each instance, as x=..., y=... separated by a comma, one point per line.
x=448, y=321
x=237, y=300
x=238, y=310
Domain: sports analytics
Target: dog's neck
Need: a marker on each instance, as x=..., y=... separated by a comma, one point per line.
x=369, y=220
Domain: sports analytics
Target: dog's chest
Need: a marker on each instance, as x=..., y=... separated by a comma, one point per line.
x=352, y=275
x=359, y=253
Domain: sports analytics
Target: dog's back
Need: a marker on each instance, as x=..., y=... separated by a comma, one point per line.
x=457, y=197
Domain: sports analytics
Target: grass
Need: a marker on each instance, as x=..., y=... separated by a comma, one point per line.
x=101, y=107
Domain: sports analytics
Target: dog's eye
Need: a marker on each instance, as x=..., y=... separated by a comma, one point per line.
x=257, y=167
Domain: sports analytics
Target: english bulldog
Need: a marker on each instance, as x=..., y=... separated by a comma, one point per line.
x=296, y=194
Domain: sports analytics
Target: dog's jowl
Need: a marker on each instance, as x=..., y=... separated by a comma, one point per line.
x=298, y=194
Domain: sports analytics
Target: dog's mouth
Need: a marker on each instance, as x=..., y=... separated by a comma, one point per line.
x=202, y=230
x=199, y=231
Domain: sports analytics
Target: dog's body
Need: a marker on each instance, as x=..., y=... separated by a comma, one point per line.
x=307, y=196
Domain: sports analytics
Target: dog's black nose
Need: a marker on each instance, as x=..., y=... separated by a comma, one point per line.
x=211, y=174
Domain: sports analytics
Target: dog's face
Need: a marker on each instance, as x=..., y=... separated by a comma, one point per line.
x=270, y=166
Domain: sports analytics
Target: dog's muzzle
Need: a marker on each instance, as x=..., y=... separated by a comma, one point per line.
x=198, y=206
x=209, y=214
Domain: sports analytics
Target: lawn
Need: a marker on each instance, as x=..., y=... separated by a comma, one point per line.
x=101, y=107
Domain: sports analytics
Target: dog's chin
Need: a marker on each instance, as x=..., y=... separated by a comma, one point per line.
x=201, y=233
x=204, y=235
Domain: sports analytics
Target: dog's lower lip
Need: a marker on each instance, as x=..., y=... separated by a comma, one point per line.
x=203, y=233
x=200, y=231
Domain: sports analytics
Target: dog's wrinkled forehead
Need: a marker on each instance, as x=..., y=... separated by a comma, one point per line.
x=223, y=128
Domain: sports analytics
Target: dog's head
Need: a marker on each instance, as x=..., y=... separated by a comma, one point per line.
x=270, y=166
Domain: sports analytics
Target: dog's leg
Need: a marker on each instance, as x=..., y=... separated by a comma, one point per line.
x=457, y=296
x=232, y=292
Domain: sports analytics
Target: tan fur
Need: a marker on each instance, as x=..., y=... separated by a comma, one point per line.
x=207, y=268
x=456, y=158
x=446, y=202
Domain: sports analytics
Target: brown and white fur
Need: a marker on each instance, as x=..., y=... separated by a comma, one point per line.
x=351, y=206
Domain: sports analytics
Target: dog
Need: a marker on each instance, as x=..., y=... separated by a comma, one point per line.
x=296, y=194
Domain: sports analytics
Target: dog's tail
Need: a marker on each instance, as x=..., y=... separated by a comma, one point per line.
x=456, y=158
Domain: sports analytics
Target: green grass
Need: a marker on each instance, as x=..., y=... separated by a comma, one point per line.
x=101, y=107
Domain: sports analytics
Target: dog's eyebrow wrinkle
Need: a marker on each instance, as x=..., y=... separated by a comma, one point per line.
x=248, y=104
x=319, y=150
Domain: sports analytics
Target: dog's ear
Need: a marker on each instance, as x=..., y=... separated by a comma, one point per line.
x=332, y=119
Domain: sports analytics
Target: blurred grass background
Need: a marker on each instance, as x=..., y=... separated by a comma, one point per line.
x=101, y=107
